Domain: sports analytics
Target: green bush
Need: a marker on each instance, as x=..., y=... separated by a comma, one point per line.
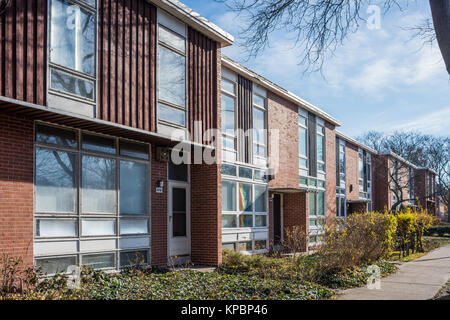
x=442, y=230
x=411, y=227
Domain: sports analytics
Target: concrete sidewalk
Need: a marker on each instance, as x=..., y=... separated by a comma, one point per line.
x=420, y=279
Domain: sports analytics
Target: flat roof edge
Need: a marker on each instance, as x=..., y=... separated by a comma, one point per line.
x=237, y=67
x=194, y=19
x=342, y=135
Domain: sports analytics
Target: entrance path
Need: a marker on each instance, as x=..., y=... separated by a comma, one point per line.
x=420, y=279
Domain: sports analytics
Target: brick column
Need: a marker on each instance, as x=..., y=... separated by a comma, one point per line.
x=295, y=212
x=16, y=187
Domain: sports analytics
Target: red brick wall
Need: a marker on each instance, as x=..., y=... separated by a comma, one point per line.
x=283, y=116
x=16, y=187
x=295, y=211
x=206, y=214
x=159, y=212
x=330, y=169
x=380, y=183
x=351, y=171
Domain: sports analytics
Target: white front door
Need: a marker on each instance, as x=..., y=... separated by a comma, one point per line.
x=179, y=223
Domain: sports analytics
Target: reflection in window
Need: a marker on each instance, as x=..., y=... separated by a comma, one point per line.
x=99, y=261
x=228, y=196
x=260, y=198
x=65, y=82
x=229, y=221
x=245, y=197
x=55, y=135
x=98, y=184
x=55, y=181
x=133, y=187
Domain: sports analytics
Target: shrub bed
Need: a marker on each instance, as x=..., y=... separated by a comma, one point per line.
x=442, y=230
x=147, y=284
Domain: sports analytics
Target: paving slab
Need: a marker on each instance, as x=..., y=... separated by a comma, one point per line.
x=420, y=279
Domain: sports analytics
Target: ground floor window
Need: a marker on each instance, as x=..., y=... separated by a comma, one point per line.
x=91, y=200
x=244, y=208
x=317, y=215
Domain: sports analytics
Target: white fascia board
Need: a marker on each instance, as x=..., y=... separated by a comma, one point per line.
x=260, y=80
x=195, y=20
x=345, y=137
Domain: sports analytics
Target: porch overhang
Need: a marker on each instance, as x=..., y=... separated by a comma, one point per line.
x=60, y=117
x=286, y=190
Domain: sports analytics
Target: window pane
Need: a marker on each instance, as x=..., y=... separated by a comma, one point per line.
x=260, y=175
x=171, y=114
x=343, y=207
x=98, y=227
x=99, y=261
x=229, y=221
x=227, y=85
x=259, y=150
x=303, y=181
x=228, y=169
x=55, y=265
x=260, y=221
x=171, y=77
x=179, y=224
x=245, y=197
x=135, y=150
x=55, y=181
x=171, y=39
x=321, y=204
x=98, y=143
x=228, y=246
x=260, y=244
x=178, y=172
x=245, y=246
x=98, y=184
x=56, y=228
x=259, y=133
x=312, y=222
x=303, y=163
x=260, y=198
x=245, y=172
x=133, y=258
x=312, y=204
x=302, y=120
x=134, y=193
x=228, y=196
x=321, y=166
x=320, y=153
x=55, y=135
x=133, y=226
x=72, y=37
x=179, y=212
x=259, y=101
x=228, y=113
x=228, y=143
x=245, y=220
x=302, y=141
x=179, y=199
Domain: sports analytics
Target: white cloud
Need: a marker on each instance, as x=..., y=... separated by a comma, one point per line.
x=433, y=123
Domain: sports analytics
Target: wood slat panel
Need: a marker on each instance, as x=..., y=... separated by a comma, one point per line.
x=127, y=60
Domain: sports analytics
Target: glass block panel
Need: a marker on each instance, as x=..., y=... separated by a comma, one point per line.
x=98, y=185
x=133, y=226
x=134, y=185
x=56, y=228
x=98, y=143
x=134, y=150
x=228, y=169
x=57, y=136
x=245, y=197
x=55, y=181
x=228, y=196
x=229, y=221
x=245, y=172
x=55, y=265
x=132, y=258
x=98, y=227
x=99, y=261
x=245, y=220
x=260, y=198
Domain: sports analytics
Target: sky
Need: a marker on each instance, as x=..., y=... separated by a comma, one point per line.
x=380, y=79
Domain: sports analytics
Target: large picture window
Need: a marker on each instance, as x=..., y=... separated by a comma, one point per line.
x=73, y=48
x=171, y=73
x=90, y=189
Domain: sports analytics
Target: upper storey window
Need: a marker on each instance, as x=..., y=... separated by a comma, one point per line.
x=259, y=125
x=229, y=102
x=171, y=71
x=320, y=145
x=303, y=138
x=73, y=48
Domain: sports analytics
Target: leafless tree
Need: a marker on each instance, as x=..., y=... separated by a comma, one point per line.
x=321, y=26
x=420, y=149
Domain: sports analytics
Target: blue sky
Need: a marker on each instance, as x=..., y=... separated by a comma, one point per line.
x=378, y=80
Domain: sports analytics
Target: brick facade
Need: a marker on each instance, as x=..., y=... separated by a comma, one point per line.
x=16, y=187
x=295, y=212
x=330, y=163
x=351, y=172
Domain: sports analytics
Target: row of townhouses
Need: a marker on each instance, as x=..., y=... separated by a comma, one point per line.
x=99, y=101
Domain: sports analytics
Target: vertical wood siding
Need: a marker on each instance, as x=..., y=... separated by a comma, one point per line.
x=127, y=62
x=23, y=51
x=202, y=84
x=245, y=119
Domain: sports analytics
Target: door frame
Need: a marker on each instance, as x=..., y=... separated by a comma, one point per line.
x=178, y=184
